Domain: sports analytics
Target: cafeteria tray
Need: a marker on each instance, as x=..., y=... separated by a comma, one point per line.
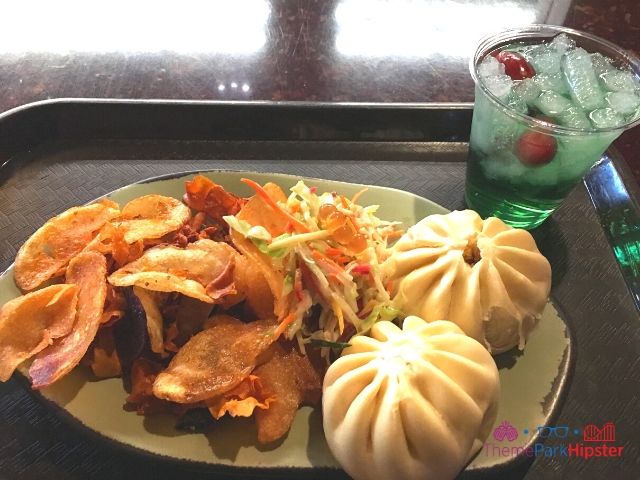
x=59, y=153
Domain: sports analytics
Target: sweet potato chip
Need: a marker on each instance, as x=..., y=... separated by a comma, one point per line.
x=29, y=323
x=171, y=269
x=143, y=374
x=87, y=270
x=151, y=216
x=115, y=306
x=242, y=400
x=130, y=334
x=206, y=196
x=102, y=357
x=51, y=247
x=294, y=381
x=257, y=212
x=215, y=360
x=190, y=318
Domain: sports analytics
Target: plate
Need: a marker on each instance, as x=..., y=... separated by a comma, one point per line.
x=532, y=382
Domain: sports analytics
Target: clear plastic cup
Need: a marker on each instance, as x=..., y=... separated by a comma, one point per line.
x=503, y=178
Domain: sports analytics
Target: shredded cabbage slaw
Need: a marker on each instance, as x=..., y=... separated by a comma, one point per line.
x=331, y=257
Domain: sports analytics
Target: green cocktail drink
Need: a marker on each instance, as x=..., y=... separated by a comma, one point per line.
x=549, y=102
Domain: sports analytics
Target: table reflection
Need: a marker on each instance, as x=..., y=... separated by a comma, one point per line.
x=151, y=26
x=411, y=28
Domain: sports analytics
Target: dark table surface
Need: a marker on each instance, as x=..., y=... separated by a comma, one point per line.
x=315, y=50
x=337, y=51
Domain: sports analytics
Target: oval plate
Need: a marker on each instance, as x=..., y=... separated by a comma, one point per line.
x=532, y=382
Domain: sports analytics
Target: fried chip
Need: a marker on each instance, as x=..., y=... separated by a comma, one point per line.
x=87, y=270
x=115, y=306
x=143, y=374
x=51, y=247
x=168, y=268
x=155, y=323
x=253, y=287
x=29, y=323
x=102, y=357
x=190, y=318
x=294, y=381
x=241, y=400
x=151, y=216
x=206, y=196
x=215, y=360
x=257, y=212
x=110, y=241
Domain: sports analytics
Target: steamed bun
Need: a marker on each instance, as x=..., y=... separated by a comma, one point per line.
x=410, y=403
x=488, y=278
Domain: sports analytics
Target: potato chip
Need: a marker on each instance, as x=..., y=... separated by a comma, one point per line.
x=29, y=323
x=87, y=270
x=241, y=400
x=51, y=247
x=206, y=196
x=155, y=324
x=257, y=212
x=168, y=268
x=294, y=381
x=151, y=216
x=215, y=360
x=251, y=286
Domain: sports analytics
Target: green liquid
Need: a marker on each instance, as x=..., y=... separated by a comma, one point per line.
x=500, y=185
x=626, y=245
x=517, y=204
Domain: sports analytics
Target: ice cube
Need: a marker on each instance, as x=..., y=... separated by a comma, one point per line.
x=605, y=118
x=544, y=59
x=601, y=63
x=551, y=103
x=499, y=85
x=555, y=83
x=528, y=90
x=562, y=43
x=516, y=102
x=620, y=81
x=574, y=117
x=625, y=103
x=507, y=167
x=489, y=66
x=544, y=175
x=583, y=83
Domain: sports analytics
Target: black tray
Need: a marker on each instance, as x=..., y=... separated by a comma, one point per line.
x=66, y=152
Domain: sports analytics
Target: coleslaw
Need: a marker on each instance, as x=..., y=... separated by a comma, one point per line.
x=330, y=257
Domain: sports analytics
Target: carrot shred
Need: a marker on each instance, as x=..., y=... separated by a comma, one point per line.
x=357, y=196
x=327, y=261
x=394, y=234
x=333, y=252
x=264, y=195
x=389, y=287
x=288, y=320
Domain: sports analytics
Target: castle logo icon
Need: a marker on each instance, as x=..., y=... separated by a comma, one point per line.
x=592, y=433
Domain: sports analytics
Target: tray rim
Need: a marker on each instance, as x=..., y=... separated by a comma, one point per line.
x=554, y=407
x=234, y=103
